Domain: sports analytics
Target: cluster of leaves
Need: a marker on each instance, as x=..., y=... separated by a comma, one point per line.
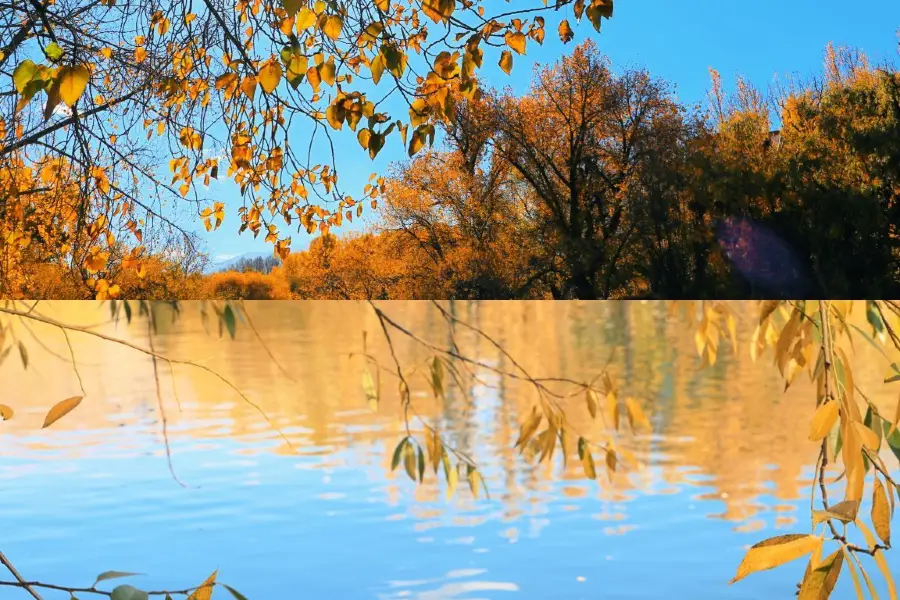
x=115, y=89
x=795, y=331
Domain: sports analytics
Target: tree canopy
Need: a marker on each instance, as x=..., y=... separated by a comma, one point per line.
x=97, y=95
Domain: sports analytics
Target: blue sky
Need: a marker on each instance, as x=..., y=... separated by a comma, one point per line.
x=677, y=41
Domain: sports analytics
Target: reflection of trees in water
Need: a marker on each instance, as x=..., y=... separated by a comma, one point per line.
x=743, y=431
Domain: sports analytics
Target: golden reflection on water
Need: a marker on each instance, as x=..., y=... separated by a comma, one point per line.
x=729, y=428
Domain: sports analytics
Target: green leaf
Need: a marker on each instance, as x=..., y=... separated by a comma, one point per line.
x=409, y=460
x=127, y=592
x=893, y=440
x=113, y=575
x=228, y=317
x=53, y=51
x=23, y=74
x=421, y=464
x=234, y=592
x=398, y=453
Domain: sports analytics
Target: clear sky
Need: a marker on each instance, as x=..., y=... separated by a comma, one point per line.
x=677, y=41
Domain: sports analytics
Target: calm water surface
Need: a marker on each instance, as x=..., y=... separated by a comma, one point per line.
x=727, y=464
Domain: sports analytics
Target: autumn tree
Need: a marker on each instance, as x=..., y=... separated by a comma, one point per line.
x=582, y=138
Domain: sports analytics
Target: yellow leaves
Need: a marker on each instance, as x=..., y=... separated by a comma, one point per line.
x=140, y=54
x=506, y=61
x=516, y=40
x=6, y=413
x=529, y=427
x=190, y=139
x=269, y=76
x=217, y=211
x=106, y=53
x=881, y=513
x=824, y=420
x=104, y=291
x=775, y=552
x=204, y=592
x=72, y=82
x=60, y=410
x=331, y=25
x=96, y=260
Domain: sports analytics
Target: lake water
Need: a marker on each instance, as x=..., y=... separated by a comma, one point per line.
x=728, y=463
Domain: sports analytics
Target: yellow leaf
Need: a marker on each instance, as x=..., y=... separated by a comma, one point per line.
x=591, y=399
x=248, y=86
x=72, y=82
x=881, y=513
x=506, y=62
x=819, y=580
x=305, y=19
x=851, y=452
x=204, y=592
x=879, y=559
x=636, y=416
x=363, y=138
x=587, y=461
x=868, y=437
x=516, y=40
x=565, y=31
x=269, y=76
x=436, y=10
x=6, y=413
x=61, y=409
x=292, y=6
x=823, y=421
x=528, y=428
x=331, y=25
x=610, y=462
x=842, y=511
x=775, y=552
x=409, y=460
x=452, y=479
